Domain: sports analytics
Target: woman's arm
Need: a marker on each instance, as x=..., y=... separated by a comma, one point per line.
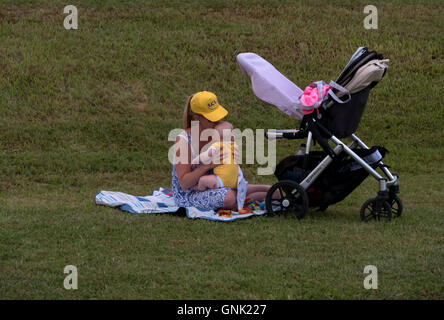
x=188, y=178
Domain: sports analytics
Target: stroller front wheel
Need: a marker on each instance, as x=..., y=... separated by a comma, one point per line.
x=376, y=209
x=292, y=199
x=396, y=206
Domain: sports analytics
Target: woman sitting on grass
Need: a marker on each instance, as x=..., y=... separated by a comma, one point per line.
x=196, y=185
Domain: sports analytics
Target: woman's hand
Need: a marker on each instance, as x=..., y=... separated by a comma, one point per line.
x=215, y=158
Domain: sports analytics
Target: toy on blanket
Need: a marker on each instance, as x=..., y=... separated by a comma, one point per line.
x=224, y=213
x=251, y=205
x=227, y=213
x=245, y=210
x=254, y=205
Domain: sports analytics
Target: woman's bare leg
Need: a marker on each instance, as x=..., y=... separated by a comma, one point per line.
x=251, y=188
x=230, y=201
x=258, y=192
x=257, y=196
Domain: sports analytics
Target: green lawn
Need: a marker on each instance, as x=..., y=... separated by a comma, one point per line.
x=90, y=109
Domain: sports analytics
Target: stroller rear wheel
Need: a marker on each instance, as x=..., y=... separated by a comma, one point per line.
x=292, y=199
x=376, y=209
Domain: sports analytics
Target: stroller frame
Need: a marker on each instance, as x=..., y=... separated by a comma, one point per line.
x=340, y=147
x=380, y=207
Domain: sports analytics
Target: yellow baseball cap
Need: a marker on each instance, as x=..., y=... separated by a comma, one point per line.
x=205, y=103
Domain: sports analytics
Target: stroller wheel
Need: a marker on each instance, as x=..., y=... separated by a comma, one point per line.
x=376, y=209
x=396, y=206
x=292, y=199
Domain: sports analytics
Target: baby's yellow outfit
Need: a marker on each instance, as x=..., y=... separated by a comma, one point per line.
x=227, y=173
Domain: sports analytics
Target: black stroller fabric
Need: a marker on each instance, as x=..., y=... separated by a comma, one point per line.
x=338, y=180
x=342, y=120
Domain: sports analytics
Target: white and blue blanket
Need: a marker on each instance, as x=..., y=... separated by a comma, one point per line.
x=161, y=201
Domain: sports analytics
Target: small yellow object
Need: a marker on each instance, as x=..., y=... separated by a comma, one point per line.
x=224, y=213
x=227, y=172
x=245, y=210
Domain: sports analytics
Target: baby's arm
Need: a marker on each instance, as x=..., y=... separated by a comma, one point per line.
x=206, y=182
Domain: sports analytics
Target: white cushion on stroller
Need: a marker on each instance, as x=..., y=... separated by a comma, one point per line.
x=269, y=84
x=372, y=71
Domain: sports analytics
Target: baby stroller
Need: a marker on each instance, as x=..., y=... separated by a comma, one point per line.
x=321, y=178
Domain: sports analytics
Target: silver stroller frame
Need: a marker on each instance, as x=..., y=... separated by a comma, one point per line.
x=392, y=179
x=377, y=208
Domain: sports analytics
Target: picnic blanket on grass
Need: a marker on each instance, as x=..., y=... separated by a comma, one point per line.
x=161, y=201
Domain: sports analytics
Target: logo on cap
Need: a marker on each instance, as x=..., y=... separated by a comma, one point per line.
x=212, y=105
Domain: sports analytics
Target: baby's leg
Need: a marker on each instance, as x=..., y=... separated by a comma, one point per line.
x=206, y=182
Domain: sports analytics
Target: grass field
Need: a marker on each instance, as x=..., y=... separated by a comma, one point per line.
x=90, y=109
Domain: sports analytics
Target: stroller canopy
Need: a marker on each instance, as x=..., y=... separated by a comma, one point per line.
x=269, y=84
x=364, y=69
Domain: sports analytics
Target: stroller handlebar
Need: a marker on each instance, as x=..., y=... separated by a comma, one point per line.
x=309, y=124
x=286, y=134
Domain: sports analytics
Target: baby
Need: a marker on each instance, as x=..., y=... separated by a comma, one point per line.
x=225, y=175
